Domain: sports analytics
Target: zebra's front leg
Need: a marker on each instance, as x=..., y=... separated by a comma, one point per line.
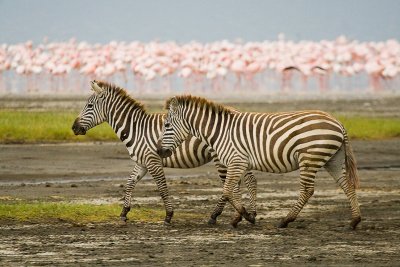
x=237, y=196
x=156, y=170
x=307, y=177
x=251, y=184
x=235, y=172
x=221, y=202
x=136, y=175
x=217, y=211
x=221, y=205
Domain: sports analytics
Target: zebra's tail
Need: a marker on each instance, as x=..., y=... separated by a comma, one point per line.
x=351, y=164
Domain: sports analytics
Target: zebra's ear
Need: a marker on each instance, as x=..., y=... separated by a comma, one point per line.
x=95, y=87
x=173, y=104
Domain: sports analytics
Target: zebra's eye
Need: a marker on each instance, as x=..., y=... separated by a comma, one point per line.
x=167, y=125
x=90, y=105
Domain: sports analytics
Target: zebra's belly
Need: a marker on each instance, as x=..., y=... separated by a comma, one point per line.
x=279, y=164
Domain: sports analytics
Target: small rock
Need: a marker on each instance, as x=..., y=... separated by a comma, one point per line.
x=74, y=185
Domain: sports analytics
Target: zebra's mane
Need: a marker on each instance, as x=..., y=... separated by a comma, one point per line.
x=112, y=88
x=199, y=102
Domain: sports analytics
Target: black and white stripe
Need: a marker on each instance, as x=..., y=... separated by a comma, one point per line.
x=140, y=132
x=269, y=142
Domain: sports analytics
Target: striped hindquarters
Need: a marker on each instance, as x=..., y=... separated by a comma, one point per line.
x=283, y=142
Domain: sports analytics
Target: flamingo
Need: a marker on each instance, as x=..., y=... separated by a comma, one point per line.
x=199, y=64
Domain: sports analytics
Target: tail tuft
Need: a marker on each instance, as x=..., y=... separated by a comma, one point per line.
x=351, y=164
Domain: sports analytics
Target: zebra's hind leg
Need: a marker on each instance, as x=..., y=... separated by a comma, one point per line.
x=336, y=167
x=136, y=175
x=307, y=177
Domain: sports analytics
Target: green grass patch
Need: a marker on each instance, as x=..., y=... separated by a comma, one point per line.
x=78, y=213
x=55, y=126
x=371, y=128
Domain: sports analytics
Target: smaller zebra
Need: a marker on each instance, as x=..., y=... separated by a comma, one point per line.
x=269, y=142
x=140, y=132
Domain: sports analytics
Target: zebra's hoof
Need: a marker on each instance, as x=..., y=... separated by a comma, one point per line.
x=283, y=224
x=124, y=219
x=168, y=217
x=247, y=216
x=235, y=221
x=166, y=223
x=124, y=212
x=212, y=221
x=354, y=222
x=251, y=218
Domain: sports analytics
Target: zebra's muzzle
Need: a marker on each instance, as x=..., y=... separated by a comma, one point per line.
x=164, y=152
x=78, y=129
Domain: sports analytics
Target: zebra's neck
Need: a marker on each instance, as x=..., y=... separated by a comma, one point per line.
x=210, y=126
x=124, y=115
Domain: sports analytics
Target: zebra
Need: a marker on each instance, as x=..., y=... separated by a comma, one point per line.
x=268, y=142
x=140, y=131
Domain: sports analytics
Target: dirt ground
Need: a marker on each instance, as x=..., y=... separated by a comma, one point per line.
x=94, y=173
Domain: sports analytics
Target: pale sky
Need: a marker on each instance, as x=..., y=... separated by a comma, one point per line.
x=202, y=20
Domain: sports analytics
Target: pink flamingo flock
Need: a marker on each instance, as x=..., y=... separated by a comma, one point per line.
x=280, y=66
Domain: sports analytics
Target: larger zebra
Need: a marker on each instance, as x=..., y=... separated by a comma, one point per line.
x=140, y=132
x=269, y=142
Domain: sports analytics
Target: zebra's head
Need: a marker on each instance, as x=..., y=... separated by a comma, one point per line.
x=175, y=130
x=93, y=113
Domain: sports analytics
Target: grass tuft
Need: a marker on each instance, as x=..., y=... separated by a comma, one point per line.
x=77, y=213
x=45, y=126
x=371, y=128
